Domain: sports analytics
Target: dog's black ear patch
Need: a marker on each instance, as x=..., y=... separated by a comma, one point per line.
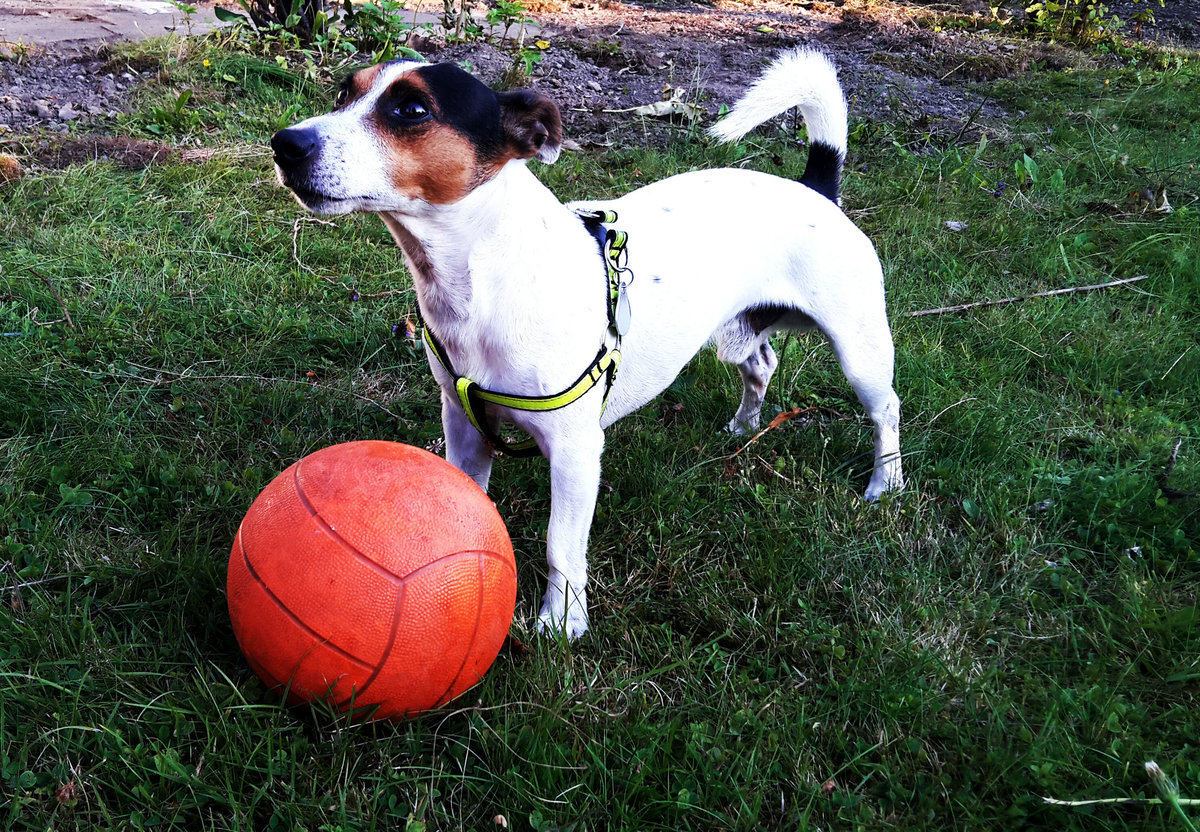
x=532, y=124
x=465, y=103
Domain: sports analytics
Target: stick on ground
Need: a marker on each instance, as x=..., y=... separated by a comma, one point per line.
x=943, y=310
x=57, y=297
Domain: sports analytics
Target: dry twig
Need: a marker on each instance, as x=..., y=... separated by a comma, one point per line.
x=1169, y=492
x=354, y=293
x=57, y=296
x=943, y=310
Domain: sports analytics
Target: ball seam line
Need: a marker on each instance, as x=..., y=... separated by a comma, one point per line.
x=358, y=693
x=320, y=639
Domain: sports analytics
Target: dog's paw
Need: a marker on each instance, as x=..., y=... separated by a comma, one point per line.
x=739, y=428
x=882, y=482
x=573, y=627
x=563, y=614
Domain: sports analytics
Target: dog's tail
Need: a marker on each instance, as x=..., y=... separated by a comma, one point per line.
x=807, y=79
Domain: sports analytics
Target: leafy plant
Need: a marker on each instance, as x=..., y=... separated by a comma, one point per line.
x=303, y=18
x=336, y=36
x=1086, y=22
x=376, y=26
x=178, y=118
x=509, y=13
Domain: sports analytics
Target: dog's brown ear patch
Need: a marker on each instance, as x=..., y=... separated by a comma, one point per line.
x=532, y=124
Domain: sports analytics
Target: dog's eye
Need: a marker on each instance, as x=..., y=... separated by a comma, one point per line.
x=411, y=110
x=342, y=96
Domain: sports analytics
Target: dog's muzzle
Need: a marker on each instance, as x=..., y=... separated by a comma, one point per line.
x=294, y=146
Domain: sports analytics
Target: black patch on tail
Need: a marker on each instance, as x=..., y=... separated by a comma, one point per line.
x=823, y=172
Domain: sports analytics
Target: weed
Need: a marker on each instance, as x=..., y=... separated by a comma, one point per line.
x=1086, y=22
x=509, y=13
x=187, y=10
x=178, y=118
x=458, y=22
x=18, y=52
x=604, y=52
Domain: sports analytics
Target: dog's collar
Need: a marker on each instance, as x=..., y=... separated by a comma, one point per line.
x=474, y=399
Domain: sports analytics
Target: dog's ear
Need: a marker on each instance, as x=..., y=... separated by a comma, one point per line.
x=532, y=124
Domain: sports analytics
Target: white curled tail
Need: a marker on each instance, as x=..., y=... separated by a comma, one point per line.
x=803, y=78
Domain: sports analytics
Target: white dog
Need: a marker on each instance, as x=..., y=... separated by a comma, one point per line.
x=530, y=308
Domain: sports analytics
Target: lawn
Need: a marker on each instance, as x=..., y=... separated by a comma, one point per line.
x=767, y=651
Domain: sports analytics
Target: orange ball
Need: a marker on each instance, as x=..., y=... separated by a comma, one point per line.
x=372, y=575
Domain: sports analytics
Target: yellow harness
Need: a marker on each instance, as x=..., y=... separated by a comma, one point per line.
x=474, y=399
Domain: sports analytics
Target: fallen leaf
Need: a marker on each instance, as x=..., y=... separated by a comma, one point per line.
x=514, y=646
x=788, y=415
x=666, y=109
x=671, y=105
x=67, y=793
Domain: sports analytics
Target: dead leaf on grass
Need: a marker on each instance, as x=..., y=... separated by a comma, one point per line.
x=514, y=647
x=10, y=169
x=671, y=105
x=67, y=793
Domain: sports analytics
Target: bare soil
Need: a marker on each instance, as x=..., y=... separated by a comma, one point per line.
x=925, y=67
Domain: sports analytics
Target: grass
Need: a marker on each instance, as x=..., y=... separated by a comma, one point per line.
x=768, y=651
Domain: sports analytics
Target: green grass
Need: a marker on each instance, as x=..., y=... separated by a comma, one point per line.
x=767, y=651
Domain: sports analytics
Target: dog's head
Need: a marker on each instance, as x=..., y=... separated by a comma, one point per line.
x=406, y=135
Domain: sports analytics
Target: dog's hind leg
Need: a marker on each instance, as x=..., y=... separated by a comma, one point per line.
x=743, y=341
x=867, y=357
x=756, y=371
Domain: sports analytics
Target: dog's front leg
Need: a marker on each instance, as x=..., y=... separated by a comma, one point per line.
x=466, y=449
x=574, y=483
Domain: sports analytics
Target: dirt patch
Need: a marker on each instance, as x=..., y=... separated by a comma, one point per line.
x=44, y=90
x=63, y=151
x=926, y=67
x=609, y=58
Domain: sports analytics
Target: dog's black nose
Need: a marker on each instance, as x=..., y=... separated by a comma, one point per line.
x=292, y=145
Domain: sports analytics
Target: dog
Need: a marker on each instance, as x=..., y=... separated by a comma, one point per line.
x=511, y=282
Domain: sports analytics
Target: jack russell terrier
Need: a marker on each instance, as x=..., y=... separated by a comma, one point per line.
x=540, y=316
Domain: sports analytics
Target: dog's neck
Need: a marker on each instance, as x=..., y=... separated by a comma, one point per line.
x=464, y=255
